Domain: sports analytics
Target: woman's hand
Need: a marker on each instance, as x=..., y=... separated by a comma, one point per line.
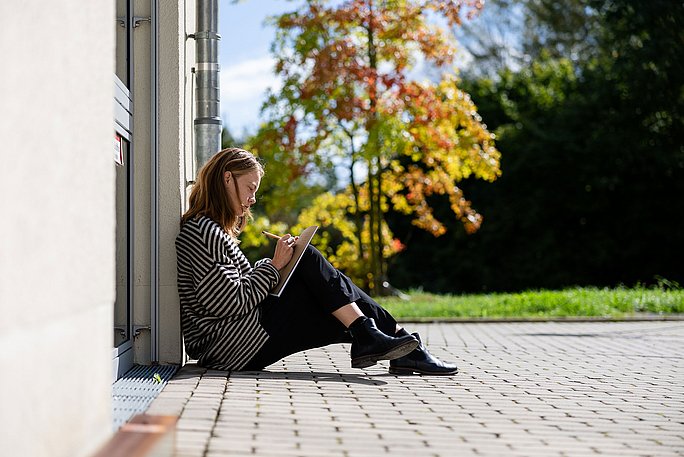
x=283, y=251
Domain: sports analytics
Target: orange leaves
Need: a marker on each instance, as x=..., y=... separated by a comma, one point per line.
x=397, y=245
x=417, y=186
x=445, y=125
x=364, y=45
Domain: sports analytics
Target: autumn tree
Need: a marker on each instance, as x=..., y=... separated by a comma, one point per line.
x=349, y=101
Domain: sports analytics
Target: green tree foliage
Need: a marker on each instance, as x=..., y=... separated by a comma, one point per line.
x=566, y=29
x=347, y=103
x=510, y=34
x=593, y=162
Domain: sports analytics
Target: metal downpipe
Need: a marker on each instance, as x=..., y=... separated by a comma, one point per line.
x=207, y=122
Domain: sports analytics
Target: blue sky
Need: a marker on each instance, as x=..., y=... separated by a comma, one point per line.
x=246, y=63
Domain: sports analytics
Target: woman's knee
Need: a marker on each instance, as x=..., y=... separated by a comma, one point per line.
x=312, y=253
x=312, y=258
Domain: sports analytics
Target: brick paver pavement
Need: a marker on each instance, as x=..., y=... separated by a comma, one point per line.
x=524, y=389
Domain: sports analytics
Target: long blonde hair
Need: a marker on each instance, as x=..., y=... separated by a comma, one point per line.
x=209, y=197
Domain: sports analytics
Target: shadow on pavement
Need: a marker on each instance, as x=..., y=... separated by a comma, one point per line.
x=345, y=378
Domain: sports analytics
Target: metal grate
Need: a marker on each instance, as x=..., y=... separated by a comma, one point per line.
x=135, y=390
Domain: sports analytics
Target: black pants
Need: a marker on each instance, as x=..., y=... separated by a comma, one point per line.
x=301, y=317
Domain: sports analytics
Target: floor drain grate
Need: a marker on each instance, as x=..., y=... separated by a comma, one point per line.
x=135, y=390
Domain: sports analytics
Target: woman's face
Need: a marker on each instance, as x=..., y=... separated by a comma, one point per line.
x=247, y=184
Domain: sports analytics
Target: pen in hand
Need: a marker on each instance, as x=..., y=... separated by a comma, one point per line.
x=290, y=241
x=270, y=235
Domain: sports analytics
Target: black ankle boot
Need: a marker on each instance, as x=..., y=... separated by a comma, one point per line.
x=370, y=344
x=420, y=361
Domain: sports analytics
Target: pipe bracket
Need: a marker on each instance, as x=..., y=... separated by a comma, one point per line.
x=121, y=20
x=205, y=36
x=138, y=328
x=138, y=19
x=207, y=66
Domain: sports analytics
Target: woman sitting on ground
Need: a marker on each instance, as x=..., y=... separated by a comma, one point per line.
x=229, y=319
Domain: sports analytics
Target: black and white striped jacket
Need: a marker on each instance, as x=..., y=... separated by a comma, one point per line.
x=219, y=296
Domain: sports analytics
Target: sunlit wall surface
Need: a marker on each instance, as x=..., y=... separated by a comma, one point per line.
x=57, y=230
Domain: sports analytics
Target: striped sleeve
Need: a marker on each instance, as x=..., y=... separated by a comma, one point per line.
x=223, y=289
x=260, y=261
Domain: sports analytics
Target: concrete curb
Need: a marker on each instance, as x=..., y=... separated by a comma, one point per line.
x=489, y=320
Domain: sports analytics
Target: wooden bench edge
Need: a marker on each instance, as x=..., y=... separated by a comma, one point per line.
x=144, y=435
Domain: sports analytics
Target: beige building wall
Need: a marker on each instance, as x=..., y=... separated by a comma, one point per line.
x=175, y=119
x=57, y=251
x=57, y=230
x=142, y=207
x=176, y=59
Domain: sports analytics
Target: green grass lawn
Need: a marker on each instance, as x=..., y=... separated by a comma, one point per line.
x=577, y=302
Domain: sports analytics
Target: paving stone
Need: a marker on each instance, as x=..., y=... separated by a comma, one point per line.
x=525, y=389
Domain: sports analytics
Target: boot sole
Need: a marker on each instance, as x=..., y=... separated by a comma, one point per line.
x=410, y=371
x=394, y=353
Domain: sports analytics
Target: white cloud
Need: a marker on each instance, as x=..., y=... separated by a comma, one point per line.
x=243, y=87
x=248, y=79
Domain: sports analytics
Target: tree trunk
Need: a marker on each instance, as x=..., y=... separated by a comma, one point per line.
x=358, y=215
x=372, y=215
x=381, y=273
x=374, y=191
